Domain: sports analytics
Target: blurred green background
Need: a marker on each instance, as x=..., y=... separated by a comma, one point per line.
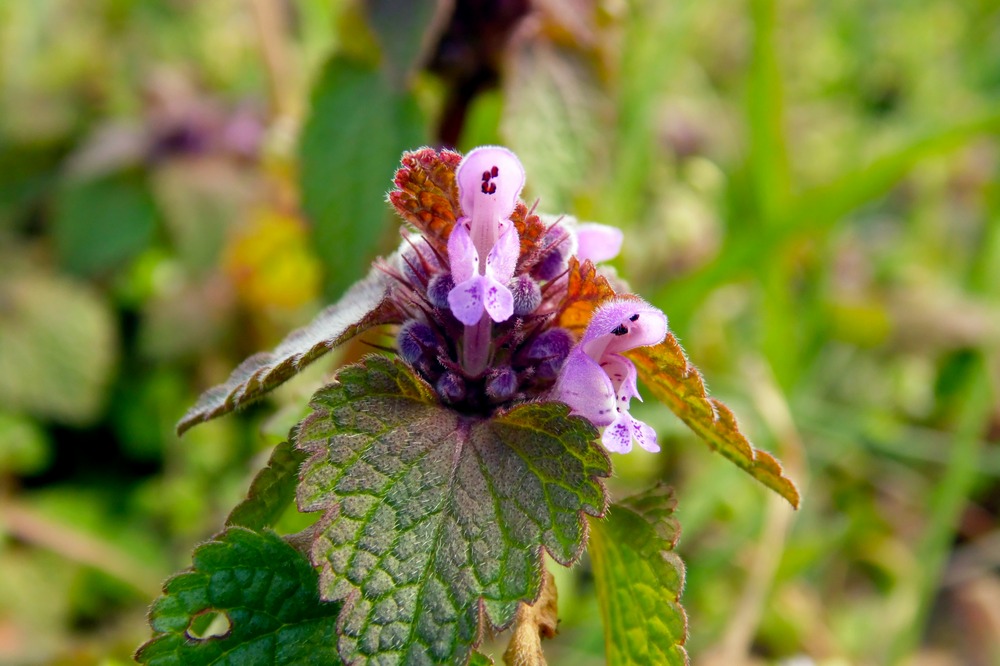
x=808, y=190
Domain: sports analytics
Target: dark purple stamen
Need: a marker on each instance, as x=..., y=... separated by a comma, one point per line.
x=620, y=330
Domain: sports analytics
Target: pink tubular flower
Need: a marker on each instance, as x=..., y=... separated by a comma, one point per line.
x=598, y=383
x=489, y=179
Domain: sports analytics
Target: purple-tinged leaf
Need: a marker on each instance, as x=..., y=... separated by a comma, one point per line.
x=262, y=590
x=639, y=579
x=363, y=306
x=435, y=521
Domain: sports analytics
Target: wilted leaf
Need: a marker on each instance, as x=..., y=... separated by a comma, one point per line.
x=435, y=521
x=639, y=580
x=99, y=224
x=534, y=622
x=352, y=141
x=678, y=384
x=272, y=490
x=57, y=348
x=262, y=594
x=362, y=307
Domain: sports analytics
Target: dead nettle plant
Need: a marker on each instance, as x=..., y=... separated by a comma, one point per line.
x=446, y=471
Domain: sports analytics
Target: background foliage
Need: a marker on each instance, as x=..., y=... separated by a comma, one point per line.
x=808, y=190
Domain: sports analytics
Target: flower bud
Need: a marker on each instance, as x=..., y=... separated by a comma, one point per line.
x=414, y=339
x=502, y=384
x=438, y=289
x=450, y=387
x=527, y=295
x=549, y=350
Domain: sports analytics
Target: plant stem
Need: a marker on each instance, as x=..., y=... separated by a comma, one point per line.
x=476, y=346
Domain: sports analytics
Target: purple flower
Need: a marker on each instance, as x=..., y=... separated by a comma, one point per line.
x=567, y=237
x=598, y=383
x=475, y=290
x=597, y=242
x=489, y=179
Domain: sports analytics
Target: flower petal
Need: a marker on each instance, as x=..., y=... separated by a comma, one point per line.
x=466, y=301
x=462, y=255
x=502, y=259
x=623, y=324
x=586, y=388
x=617, y=437
x=598, y=242
x=645, y=435
x=490, y=178
x=497, y=299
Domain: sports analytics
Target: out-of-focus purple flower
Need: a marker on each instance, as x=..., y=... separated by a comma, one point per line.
x=598, y=383
x=597, y=242
x=489, y=179
x=567, y=237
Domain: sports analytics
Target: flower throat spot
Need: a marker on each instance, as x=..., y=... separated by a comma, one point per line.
x=490, y=187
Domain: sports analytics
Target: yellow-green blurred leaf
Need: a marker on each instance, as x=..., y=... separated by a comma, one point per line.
x=58, y=347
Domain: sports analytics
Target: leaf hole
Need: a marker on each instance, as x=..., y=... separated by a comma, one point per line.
x=209, y=624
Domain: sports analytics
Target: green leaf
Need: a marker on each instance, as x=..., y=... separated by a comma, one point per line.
x=664, y=368
x=552, y=118
x=639, y=579
x=258, y=585
x=58, y=348
x=358, y=127
x=362, y=307
x=272, y=490
x=24, y=446
x=434, y=521
x=406, y=30
x=99, y=224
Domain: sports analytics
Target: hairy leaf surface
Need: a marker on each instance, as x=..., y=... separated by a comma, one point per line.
x=365, y=305
x=434, y=522
x=263, y=588
x=639, y=581
x=272, y=490
x=678, y=384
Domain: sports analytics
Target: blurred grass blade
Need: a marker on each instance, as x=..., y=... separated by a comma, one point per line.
x=678, y=384
x=818, y=209
x=349, y=150
x=768, y=157
x=945, y=505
